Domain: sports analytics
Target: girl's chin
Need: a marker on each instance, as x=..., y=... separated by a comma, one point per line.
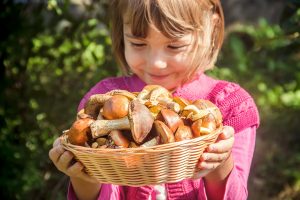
x=168, y=85
x=167, y=81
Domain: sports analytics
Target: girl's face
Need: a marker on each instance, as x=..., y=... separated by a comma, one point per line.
x=159, y=60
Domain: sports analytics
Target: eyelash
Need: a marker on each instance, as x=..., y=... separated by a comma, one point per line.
x=137, y=44
x=176, y=47
x=140, y=45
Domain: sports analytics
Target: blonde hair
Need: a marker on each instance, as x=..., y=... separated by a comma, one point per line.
x=173, y=18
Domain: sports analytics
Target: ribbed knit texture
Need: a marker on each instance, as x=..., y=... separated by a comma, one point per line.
x=237, y=107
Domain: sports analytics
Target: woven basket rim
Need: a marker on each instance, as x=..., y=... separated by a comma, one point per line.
x=160, y=147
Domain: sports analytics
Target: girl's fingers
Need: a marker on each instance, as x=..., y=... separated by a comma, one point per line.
x=65, y=160
x=214, y=157
x=75, y=169
x=55, y=153
x=208, y=165
x=221, y=146
x=227, y=133
x=224, y=143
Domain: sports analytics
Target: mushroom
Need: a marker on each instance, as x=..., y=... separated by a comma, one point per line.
x=194, y=113
x=153, y=95
x=101, y=141
x=139, y=120
x=183, y=133
x=95, y=102
x=154, y=141
x=211, y=108
x=152, y=92
x=181, y=102
x=118, y=138
x=204, y=126
x=115, y=107
x=170, y=118
x=162, y=130
x=196, y=128
x=78, y=133
x=208, y=124
x=125, y=93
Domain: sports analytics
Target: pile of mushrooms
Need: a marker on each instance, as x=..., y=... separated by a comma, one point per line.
x=121, y=119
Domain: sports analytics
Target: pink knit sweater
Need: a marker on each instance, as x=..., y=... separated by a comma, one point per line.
x=238, y=110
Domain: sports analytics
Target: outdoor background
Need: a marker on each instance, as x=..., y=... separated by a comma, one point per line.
x=52, y=52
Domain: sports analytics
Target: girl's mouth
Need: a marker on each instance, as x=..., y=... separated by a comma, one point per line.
x=158, y=77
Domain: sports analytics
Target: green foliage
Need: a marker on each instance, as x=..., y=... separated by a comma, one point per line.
x=47, y=71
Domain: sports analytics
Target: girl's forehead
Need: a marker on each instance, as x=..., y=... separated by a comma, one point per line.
x=155, y=34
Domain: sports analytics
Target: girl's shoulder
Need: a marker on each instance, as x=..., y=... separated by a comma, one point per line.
x=236, y=104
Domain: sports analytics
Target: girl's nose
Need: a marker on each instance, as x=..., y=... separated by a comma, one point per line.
x=157, y=60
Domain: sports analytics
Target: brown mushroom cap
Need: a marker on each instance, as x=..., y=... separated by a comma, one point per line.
x=183, y=133
x=115, y=107
x=196, y=128
x=212, y=108
x=208, y=124
x=118, y=138
x=77, y=134
x=141, y=121
x=162, y=130
x=181, y=102
x=170, y=118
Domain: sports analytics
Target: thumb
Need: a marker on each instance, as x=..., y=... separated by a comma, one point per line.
x=227, y=132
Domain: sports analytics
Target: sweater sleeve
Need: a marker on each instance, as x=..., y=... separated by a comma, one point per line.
x=242, y=152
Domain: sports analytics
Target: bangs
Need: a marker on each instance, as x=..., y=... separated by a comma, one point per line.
x=172, y=20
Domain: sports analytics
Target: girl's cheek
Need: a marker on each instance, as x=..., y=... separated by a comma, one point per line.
x=133, y=58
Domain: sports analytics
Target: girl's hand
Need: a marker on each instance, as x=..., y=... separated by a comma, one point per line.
x=64, y=162
x=216, y=154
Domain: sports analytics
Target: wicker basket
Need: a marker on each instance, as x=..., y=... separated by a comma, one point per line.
x=140, y=166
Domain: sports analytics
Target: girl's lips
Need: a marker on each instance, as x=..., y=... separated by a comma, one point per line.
x=158, y=77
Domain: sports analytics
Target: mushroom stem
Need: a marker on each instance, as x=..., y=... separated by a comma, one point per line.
x=103, y=127
x=152, y=142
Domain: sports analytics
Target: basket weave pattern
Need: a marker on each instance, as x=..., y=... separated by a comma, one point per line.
x=165, y=163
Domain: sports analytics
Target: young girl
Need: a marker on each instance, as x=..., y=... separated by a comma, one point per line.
x=172, y=43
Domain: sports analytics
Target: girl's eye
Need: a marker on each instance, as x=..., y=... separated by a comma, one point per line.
x=176, y=47
x=134, y=44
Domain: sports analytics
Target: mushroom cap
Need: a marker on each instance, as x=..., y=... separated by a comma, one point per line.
x=140, y=119
x=119, y=139
x=196, y=128
x=170, y=118
x=77, y=134
x=181, y=102
x=211, y=107
x=208, y=122
x=115, y=107
x=162, y=130
x=183, y=133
